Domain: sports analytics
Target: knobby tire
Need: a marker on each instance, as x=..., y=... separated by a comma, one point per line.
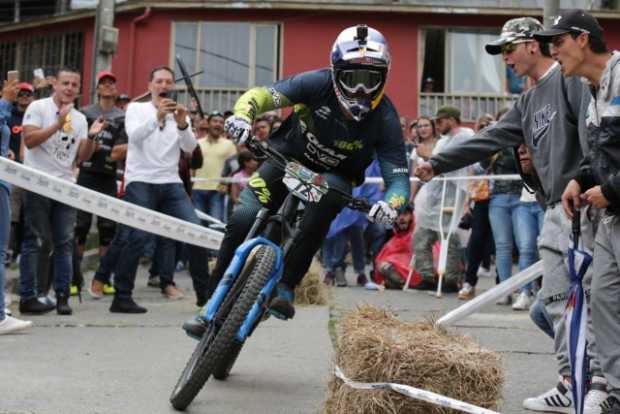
x=216, y=349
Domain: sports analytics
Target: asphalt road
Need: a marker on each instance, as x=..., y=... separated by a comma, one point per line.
x=98, y=362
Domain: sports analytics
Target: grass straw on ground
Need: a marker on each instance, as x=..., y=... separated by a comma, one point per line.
x=311, y=290
x=374, y=346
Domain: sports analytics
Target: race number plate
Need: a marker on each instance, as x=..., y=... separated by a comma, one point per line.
x=304, y=183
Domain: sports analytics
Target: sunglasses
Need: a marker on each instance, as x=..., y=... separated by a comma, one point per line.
x=508, y=48
x=24, y=93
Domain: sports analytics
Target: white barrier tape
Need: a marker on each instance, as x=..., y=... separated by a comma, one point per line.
x=105, y=206
x=503, y=289
x=379, y=180
x=202, y=216
x=416, y=393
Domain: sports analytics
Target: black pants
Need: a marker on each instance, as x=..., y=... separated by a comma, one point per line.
x=267, y=189
x=480, y=243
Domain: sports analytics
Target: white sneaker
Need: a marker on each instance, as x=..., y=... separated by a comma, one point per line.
x=596, y=399
x=467, y=292
x=556, y=400
x=11, y=324
x=523, y=302
x=483, y=272
x=8, y=312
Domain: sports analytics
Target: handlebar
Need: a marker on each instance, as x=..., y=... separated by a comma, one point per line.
x=262, y=148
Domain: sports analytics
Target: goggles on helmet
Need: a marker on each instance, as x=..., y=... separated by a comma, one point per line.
x=354, y=82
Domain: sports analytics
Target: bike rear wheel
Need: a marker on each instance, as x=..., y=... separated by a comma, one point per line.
x=217, y=346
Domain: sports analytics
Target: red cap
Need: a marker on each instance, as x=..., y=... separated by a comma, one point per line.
x=105, y=74
x=24, y=86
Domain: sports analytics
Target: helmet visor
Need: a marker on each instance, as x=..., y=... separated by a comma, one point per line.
x=359, y=82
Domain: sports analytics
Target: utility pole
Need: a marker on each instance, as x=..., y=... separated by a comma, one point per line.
x=105, y=42
x=551, y=11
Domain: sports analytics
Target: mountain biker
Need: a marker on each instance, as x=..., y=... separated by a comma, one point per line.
x=341, y=120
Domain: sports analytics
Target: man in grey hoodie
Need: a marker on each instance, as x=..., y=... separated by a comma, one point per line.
x=579, y=47
x=547, y=119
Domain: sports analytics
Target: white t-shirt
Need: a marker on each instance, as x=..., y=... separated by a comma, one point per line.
x=153, y=153
x=55, y=156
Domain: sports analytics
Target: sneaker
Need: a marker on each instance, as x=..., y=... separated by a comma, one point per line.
x=467, y=292
x=329, y=279
x=195, y=327
x=523, y=302
x=34, y=306
x=556, y=400
x=153, y=282
x=108, y=289
x=484, y=272
x=180, y=267
x=8, y=312
x=282, y=305
x=96, y=289
x=597, y=399
x=611, y=406
x=126, y=305
x=62, y=304
x=11, y=324
x=362, y=279
x=47, y=300
x=505, y=301
x=341, y=280
x=171, y=292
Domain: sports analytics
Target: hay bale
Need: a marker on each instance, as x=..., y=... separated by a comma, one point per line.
x=374, y=346
x=312, y=290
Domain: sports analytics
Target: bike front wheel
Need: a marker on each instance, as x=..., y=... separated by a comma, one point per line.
x=215, y=349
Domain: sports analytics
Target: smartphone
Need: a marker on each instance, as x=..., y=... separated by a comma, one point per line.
x=38, y=73
x=12, y=75
x=169, y=94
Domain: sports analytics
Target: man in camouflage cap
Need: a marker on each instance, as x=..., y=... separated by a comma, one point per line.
x=514, y=32
x=549, y=118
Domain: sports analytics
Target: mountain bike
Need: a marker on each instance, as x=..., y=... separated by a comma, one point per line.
x=241, y=299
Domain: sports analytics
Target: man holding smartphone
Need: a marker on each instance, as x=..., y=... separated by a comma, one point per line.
x=157, y=131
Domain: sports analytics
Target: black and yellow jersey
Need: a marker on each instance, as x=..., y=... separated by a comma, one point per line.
x=319, y=135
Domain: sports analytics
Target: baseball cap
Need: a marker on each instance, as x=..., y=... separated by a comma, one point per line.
x=448, y=112
x=105, y=74
x=575, y=20
x=514, y=30
x=24, y=86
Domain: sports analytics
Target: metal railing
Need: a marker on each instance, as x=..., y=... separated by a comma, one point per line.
x=471, y=105
x=213, y=99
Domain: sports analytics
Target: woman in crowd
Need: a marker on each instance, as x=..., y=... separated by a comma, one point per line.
x=480, y=244
x=425, y=142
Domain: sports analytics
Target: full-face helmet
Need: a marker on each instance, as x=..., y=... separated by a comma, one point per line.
x=360, y=63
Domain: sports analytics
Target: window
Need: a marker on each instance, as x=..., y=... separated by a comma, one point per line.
x=231, y=55
x=456, y=70
x=454, y=61
x=50, y=52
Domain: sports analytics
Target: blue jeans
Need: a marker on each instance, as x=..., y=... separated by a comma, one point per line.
x=210, y=202
x=334, y=250
x=540, y=316
x=529, y=222
x=47, y=223
x=5, y=227
x=169, y=199
x=108, y=262
x=503, y=218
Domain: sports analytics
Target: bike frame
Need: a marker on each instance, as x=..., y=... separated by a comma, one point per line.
x=242, y=252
